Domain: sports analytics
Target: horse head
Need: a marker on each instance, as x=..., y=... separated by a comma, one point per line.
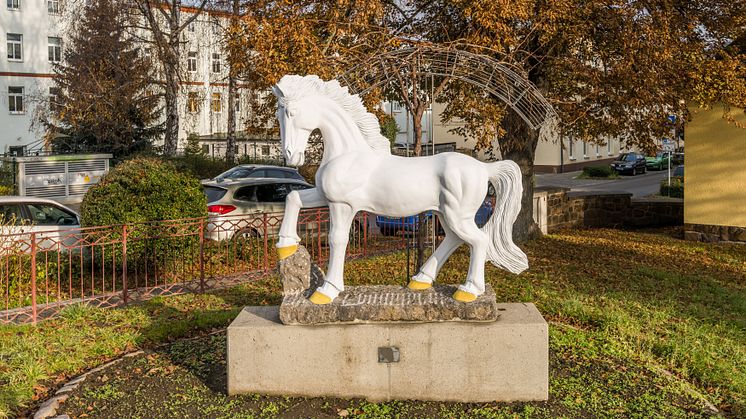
x=297, y=118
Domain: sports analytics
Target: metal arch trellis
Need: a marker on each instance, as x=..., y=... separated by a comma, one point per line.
x=482, y=71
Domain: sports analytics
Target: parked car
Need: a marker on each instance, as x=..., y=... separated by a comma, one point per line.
x=252, y=171
x=632, y=163
x=229, y=202
x=678, y=172
x=659, y=161
x=54, y=223
x=390, y=226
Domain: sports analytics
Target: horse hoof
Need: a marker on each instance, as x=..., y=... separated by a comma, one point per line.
x=319, y=298
x=463, y=296
x=286, y=252
x=419, y=285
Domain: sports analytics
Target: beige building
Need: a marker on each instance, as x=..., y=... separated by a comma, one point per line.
x=552, y=155
x=715, y=176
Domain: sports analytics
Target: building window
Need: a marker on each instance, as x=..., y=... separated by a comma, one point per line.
x=265, y=150
x=608, y=147
x=53, y=7
x=15, y=99
x=216, y=27
x=15, y=46
x=237, y=103
x=395, y=107
x=190, y=27
x=54, y=94
x=585, y=149
x=215, y=62
x=571, y=148
x=192, y=61
x=55, y=49
x=598, y=150
x=216, y=103
x=192, y=102
x=14, y=4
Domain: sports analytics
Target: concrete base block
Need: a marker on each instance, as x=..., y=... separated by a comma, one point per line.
x=505, y=360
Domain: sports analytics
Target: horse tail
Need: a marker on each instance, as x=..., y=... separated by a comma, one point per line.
x=505, y=177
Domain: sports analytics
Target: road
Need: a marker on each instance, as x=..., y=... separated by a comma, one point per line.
x=639, y=186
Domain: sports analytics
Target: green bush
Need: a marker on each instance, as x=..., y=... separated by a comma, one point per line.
x=141, y=191
x=598, y=171
x=676, y=190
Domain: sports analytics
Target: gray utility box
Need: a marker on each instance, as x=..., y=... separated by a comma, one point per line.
x=64, y=178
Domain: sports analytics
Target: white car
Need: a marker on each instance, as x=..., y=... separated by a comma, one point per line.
x=56, y=225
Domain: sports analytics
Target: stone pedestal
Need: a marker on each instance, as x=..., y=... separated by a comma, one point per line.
x=503, y=360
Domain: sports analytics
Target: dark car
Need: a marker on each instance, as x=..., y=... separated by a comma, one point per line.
x=251, y=171
x=632, y=163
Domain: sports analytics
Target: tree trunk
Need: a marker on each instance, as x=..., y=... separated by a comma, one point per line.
x=230, y=152
x=519, y=145
x=421, y=221
x=171, y=135
x=230, y=143
x=417, y=131
x=171, y=70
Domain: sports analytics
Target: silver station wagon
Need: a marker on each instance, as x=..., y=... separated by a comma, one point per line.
x=236, y=207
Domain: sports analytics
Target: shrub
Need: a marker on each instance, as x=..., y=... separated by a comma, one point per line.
x=598, y=171
x=676, y=190
x=140, y=191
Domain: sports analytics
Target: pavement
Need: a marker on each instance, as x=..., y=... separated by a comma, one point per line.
x=639, y=186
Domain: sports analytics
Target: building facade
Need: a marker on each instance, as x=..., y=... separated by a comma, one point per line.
x=33, y=40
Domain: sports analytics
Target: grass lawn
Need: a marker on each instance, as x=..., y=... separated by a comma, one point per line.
x=641, y=324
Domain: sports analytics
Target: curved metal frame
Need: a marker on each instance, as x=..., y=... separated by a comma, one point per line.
x=482, y=71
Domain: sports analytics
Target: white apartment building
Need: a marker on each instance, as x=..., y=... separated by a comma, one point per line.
x=33, y=36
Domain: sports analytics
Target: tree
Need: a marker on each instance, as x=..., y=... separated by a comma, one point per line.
x=164, y=24
x=610, y=68
x=102, y=97
x=233, y=70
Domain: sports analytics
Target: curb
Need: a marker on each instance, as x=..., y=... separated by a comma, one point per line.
x=49, y=408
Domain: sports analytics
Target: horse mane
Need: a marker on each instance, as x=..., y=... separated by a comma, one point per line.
x=292, y=87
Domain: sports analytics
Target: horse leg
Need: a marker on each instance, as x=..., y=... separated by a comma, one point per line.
x=307, y=198
x=340, y=217
x=466, y=229
x=429, y=270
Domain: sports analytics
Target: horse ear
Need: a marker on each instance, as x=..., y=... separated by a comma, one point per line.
x=277, y=92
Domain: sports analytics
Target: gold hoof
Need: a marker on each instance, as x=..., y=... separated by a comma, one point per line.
x=419, y=285
x=286, y=252
x=319, y=298
x=463, y=296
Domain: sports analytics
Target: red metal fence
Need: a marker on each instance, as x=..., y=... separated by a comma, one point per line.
x=42, y=272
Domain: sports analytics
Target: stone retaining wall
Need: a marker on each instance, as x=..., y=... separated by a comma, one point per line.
x=611, y=210
x=712, y=233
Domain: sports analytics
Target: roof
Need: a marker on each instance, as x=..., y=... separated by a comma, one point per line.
x=252, y=181
x=21, y=199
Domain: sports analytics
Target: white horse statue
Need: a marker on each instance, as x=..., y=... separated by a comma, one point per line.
x=358, y=173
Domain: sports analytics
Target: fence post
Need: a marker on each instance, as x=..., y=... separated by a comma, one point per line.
x=125, y=295
x=202, y=256
x=266, y=247
x=365, y=234
x=318, y=236
x=33, y=277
